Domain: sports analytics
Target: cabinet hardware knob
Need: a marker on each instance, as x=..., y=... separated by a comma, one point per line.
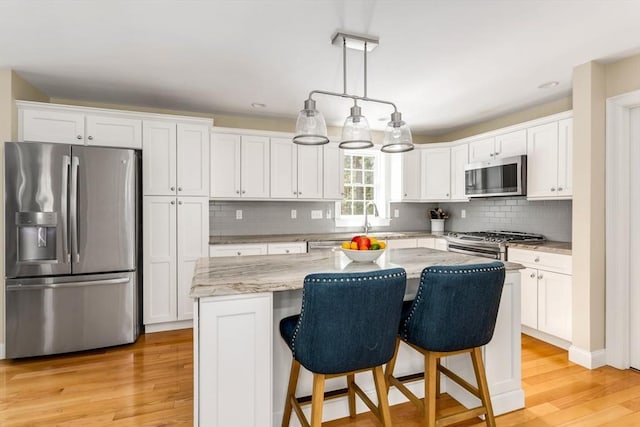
x=497, y=153
x=294, y=193
x=79, y=137
x=287, y=251
x=559, y=188
x=243, y=191
x=490, y=154
x=179, y=188
x=537, y=259
x=405, y=194
x=237, y=191
x=173, y=188
x=173, y=203
x=299, y=193
x=90, y=138
x=447, y=194
x=533, y=275
x=553, y=188
x=180, y=202
x=239, y=253
x=540, y=277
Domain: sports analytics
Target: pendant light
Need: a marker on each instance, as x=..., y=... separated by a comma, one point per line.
x=311, y=128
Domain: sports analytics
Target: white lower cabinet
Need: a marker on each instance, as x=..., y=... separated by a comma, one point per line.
x=244, y=249
x=546, y=293
x=433, y=243
x=233, y=361
x=175, y=235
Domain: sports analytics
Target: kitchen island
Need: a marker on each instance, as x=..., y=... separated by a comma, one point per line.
x=241, y=365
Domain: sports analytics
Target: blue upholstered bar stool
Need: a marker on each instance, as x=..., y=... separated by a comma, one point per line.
x=348, y=323
x=454, y=312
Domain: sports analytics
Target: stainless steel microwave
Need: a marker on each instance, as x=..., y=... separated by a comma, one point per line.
x=496, y=177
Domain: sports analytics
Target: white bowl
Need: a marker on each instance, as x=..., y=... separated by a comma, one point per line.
x=362, y=256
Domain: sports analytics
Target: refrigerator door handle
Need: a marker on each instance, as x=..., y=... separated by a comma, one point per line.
x=21, y=287
x=73, y=216
x=66, y=164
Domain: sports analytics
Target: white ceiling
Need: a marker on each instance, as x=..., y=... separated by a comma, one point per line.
x=445, y=64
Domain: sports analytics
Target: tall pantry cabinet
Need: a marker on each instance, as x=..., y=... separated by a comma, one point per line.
x=175, y=217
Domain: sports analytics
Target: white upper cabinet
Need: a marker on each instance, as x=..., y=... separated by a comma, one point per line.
x=175, y=159
x=549, y=160
x=436, y=175
x=81, y=126
x=239, y=166
x=411, y=175
x=459, y=159
x=333, y=185
x=296, y=170
x=504, y=145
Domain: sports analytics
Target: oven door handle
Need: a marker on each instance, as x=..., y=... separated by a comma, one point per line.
x=485, y=254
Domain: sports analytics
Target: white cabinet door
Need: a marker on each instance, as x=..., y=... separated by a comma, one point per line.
x=109, y=131
x=159, y=259
x=459, y=159
x=309, y=171
x=254, y=169
x=542, y=160
x=333, y=176
x=238, y=250
x=554, y=304
x=234, y=361
x=65, y=127
x=441, y=244
x=411, y=175
x=529, y=304
x=192, y=244
x=511, y=144
x=284, y=168
x=225, y=153
x=436, y=165
x=482, y=149
x=565, y=158
x=159, y=158
x=283, y=248
x=192, y=160
x=426, y=242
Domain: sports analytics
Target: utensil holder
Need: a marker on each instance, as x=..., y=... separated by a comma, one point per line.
x=437, y=225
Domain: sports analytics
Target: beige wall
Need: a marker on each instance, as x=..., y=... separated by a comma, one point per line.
x=588, y=206
x=542, y=110
x=623, y=76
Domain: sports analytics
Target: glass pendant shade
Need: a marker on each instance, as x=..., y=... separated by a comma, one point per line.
x=356, y=133
x=311, y=128
x=397, y=136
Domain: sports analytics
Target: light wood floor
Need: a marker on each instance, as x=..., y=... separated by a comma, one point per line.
x=150, y=384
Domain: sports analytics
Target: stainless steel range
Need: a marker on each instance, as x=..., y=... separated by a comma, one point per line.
x=489, y=244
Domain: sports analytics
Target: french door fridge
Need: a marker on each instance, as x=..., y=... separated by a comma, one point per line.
x=71, y=221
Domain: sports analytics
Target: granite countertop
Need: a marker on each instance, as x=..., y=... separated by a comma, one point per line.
x=273, y=238
x=548, y=246
x=273, y=273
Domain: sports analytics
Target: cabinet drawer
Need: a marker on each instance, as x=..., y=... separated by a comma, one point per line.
x=543, y=260
x=286, y=248
x=238, y=250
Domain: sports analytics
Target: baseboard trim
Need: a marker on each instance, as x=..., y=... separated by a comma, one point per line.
x=502, y=403
x=168, y=326
x=587, y=359
x=3, y=354
x=542, y=336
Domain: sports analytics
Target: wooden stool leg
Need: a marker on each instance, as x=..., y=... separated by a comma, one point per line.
x=391, y=365
x=291, y=392
x=383, y=400
x=483, y=387
x=351, y=395
x=430, y=372
x=317, y=400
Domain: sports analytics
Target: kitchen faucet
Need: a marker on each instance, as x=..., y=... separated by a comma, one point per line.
x=367, y=226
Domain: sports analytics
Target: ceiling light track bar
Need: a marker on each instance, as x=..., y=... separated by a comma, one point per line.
x=354, y=97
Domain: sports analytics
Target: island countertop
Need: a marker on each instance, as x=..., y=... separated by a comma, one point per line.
x=273, y=273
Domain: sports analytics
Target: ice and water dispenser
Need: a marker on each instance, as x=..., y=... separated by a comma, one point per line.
x=37, y=233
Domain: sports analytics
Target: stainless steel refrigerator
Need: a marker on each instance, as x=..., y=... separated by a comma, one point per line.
x=71, y=239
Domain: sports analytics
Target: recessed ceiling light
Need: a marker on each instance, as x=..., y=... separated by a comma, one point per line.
x=258, y=105
x=549, y=85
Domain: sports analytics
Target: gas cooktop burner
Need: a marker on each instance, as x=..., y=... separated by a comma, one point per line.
x=496, y=236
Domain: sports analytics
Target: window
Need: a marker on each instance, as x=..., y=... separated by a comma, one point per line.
x=364, y=186
x=359, y=184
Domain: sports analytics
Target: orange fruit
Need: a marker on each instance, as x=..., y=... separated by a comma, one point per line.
x=382, y=245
